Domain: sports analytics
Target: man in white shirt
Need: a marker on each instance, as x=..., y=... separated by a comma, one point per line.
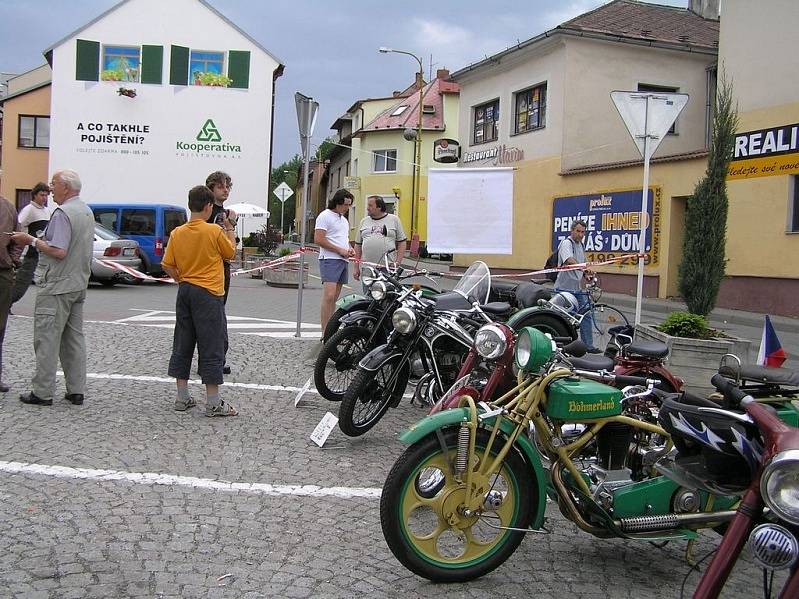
x=331, y=234
x=33, y=220
x=379, y=233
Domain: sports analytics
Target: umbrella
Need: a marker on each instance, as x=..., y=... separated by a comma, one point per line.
x=243, y=209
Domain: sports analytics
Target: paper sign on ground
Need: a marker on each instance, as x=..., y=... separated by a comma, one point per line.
x=323, y=429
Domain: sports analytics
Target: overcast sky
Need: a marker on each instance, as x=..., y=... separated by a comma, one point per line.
x=329, y=47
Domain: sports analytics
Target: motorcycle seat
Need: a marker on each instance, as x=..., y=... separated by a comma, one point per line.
x=452, y=301
x=762, y=375
x=496, y=308
x=647, y=349
x=528, y=294
x=593, y=362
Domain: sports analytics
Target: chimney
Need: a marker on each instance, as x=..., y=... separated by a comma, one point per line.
x=442, y=74
x=707, y=9
x=396, y=93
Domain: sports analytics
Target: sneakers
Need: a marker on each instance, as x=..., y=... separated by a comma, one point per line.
x=222, y=409
x=182, y=406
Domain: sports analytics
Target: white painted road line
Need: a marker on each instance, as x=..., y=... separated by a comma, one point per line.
x=171, y=381
x=172, y=480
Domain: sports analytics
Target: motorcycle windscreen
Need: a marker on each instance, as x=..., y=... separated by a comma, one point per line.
x=475, y=284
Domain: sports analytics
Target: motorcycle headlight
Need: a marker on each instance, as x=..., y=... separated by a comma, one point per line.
x=490, y=342
x=404, y=320
x=779, y=485
x=378, y=290
x=533, y=349
x=367, y=280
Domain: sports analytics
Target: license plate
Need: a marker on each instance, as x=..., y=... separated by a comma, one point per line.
x=128, y=251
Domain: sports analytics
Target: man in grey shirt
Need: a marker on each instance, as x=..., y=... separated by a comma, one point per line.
x=571, y=251
x=379, y=233
x=65, y=257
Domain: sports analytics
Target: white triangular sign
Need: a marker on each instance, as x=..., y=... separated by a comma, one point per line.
x=306, y=114
x=648, y=114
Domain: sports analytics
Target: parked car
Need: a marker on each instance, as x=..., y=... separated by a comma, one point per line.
x=147, y=224
x=111, y=247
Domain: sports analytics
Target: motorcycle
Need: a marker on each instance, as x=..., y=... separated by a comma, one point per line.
x=360, y=328
x=641, y=358
x=459, y=500
x=754, y=454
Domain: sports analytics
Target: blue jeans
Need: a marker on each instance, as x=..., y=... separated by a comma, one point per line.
x=587, y=324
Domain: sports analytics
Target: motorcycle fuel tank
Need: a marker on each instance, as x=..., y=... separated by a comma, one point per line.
x=577, y=399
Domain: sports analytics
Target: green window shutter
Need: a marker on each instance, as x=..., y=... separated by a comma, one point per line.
x=87, y=62
x=152, y=64
x=179, y=66
x=238, y=68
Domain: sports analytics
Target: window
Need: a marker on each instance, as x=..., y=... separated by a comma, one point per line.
x=173, y=219
x=793, y=206
x=106, y=217
x=645, y=87
x=201, y=63
x=531, y=108
x=34, y=132
x=385, y=161
x=486, y=118
x=121, y=63
x=137, y=221
x=400, y=110
x=23, y=198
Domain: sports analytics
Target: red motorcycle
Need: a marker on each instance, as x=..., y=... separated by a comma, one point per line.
x=641, y=358
x=753, y=454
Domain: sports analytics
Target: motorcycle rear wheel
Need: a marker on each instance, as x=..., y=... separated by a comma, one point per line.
x=338, y=360
x=414, y=520
x=369, y=397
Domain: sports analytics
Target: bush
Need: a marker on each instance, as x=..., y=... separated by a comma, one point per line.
x=250, y=241
x=685, y=324
x=284, y=251
x=266, y=239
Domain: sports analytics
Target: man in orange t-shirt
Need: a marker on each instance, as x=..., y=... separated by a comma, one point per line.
x=194, y=258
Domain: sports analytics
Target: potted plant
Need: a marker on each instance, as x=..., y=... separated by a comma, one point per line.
x=286, y=274
x=211, y=79
x=695, y=349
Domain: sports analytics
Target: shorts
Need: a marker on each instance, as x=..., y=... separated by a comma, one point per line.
x=333, y=271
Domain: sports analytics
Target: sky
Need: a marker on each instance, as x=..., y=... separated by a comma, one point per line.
x=329, y=48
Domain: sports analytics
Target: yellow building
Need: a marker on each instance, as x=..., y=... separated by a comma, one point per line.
x=763, y=220
x=26, y=134
x=381, y=160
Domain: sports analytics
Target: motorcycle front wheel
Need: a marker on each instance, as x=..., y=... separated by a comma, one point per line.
x=370, y=394
x=426, y=530
x=338, y=360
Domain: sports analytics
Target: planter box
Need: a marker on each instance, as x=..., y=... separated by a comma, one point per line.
x=286, y=275
x=695, y=360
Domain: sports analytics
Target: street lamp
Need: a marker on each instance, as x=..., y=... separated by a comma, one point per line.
x=417, y=151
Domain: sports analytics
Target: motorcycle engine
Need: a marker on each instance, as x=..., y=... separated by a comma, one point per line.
x=449, y=364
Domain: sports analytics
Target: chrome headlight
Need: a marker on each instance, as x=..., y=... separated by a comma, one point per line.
x=490, y=342
x=367, y=280
x=378, y=290
x=404, y=320
x=779, y=485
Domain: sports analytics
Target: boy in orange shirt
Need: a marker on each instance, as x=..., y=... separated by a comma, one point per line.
x=194, y=258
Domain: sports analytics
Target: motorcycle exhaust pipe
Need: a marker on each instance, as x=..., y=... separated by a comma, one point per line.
x=672, y=521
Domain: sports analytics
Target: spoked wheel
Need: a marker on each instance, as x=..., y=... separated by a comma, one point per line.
x=333, y=324
x=337, y=362
x=605, y=318
x=421, y=511
x=370, y=395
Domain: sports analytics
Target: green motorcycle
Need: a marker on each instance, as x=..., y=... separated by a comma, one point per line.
x=459, y=500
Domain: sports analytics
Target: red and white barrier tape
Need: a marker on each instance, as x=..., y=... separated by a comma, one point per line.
x=132, y=271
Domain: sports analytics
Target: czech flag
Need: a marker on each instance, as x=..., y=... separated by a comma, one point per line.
x=771, y=352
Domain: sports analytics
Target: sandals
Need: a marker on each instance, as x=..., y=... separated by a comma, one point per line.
x=223, y=409
x=182, y=406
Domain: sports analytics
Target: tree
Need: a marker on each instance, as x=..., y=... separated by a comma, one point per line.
x=325, y=149
x=703, y=260
x=287, y=172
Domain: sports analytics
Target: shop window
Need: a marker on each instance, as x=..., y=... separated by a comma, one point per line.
x=793, y=206
x=23, y=198
x=34, y=132
x=645, y=87
x=385, y=161
x=486, y=119
x=531, y=106
x=121, y=63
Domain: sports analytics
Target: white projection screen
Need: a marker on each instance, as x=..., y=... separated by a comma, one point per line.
x=470, y=210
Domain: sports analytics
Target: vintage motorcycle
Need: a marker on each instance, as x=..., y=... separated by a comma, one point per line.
x=754, y=454
x=459, y=500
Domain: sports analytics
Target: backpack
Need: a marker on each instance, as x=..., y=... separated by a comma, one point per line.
x=553, y=262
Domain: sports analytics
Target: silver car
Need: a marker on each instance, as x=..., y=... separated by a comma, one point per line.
x=111, y=247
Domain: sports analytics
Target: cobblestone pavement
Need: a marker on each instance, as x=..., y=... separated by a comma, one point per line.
x=115, y=535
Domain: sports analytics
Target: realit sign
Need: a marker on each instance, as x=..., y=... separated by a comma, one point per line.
x=765, y=152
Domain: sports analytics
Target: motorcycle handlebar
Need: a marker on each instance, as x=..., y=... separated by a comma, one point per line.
x=731, y=392
x=623, y=379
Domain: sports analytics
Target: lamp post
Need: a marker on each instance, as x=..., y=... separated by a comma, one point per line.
x=417, y=151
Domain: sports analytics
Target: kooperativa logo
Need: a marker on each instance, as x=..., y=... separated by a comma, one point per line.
x=209, y=140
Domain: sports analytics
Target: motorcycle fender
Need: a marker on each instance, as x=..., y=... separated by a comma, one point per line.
x=524, y=313
x=351, y=298
x=377, y=356
x=449, y=418
x=357, y=316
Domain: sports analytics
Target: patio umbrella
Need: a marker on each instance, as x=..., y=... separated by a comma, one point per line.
x=243, y=209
